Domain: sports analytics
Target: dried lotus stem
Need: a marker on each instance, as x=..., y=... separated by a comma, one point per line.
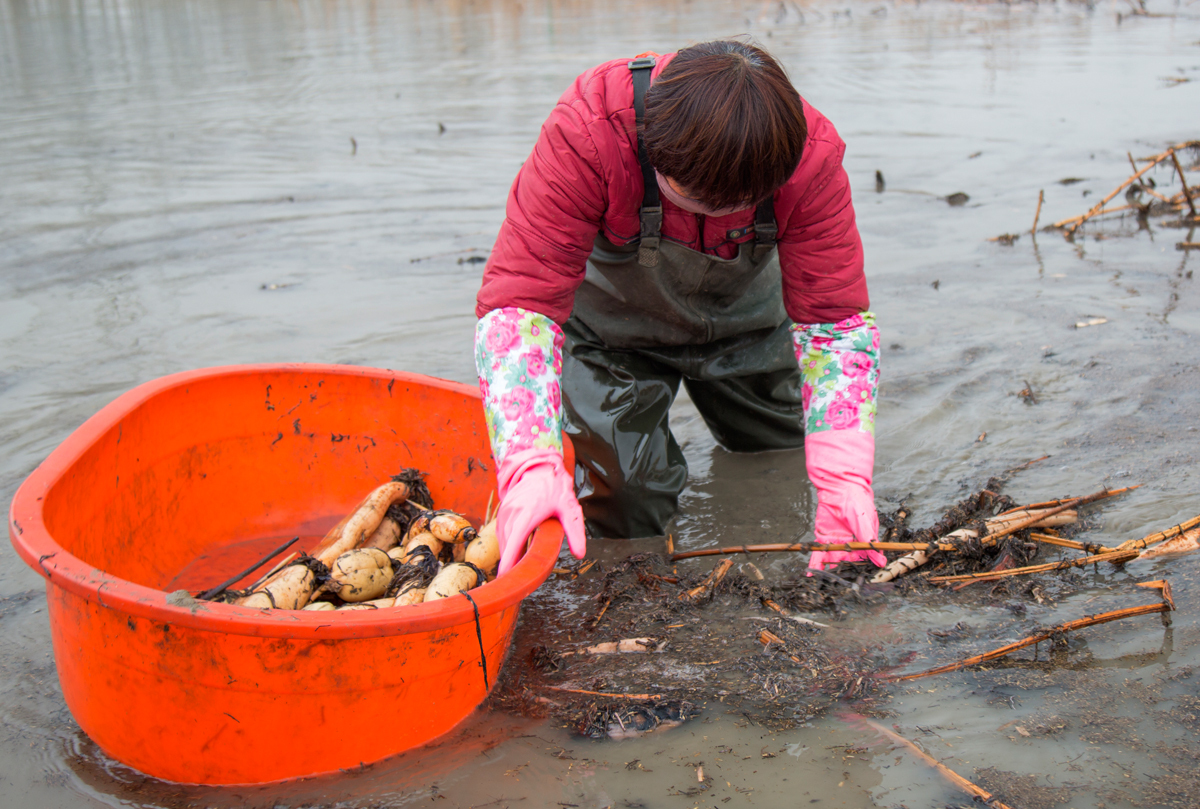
x=1166, y=605
x=1052, y=503
x=1115, y=557
x=1185, y=542
x=1075, y=222
x=1161, y=536
x=1183, y=181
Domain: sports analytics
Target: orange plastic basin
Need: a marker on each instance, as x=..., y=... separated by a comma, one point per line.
x=184, y=481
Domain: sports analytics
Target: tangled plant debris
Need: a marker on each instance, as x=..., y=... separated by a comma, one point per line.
x=664, y=639
x=1143, y=198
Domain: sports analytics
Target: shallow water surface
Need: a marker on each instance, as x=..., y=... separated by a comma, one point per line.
x=186, y=184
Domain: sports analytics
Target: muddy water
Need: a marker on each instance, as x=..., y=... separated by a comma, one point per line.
x=187, y=184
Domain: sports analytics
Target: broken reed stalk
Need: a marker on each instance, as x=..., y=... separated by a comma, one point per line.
x=574, y=573
x=1166, y=605
x=976, y=792
x=600, y=616
x=1183, y=181
x=1047, y=539
x=766, y=637
x=710, y=581
x=1099, y=206
x=1038, y=213
x=771, y=604
x=642, y=697
x=1076, y=221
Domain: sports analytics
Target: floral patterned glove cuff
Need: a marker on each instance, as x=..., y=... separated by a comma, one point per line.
x=518, y=354
x=839, y=363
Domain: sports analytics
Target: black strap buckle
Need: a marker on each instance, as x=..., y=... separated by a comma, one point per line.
x=651, y=235
x=642, y=62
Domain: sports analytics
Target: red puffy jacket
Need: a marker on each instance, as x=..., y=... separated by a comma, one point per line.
x=584, y=175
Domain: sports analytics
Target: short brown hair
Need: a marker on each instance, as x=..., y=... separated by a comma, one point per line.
x=723, y=121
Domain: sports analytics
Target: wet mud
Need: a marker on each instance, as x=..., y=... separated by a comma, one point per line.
x=193, y=185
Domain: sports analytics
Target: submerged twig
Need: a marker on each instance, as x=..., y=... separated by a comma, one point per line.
x=976, y=792
x=641, y=697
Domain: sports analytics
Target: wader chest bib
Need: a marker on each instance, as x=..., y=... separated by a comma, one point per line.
x=649, y=315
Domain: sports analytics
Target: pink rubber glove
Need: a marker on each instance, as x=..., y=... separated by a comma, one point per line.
x=534, y=486
x=840, y=463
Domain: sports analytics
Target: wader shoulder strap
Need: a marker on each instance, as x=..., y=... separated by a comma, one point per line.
x=651, y=215
x=765, y=229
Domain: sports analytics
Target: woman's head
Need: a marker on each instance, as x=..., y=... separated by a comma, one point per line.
x=724, y=123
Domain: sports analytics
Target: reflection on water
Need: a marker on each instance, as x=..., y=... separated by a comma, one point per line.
x=187, y=184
